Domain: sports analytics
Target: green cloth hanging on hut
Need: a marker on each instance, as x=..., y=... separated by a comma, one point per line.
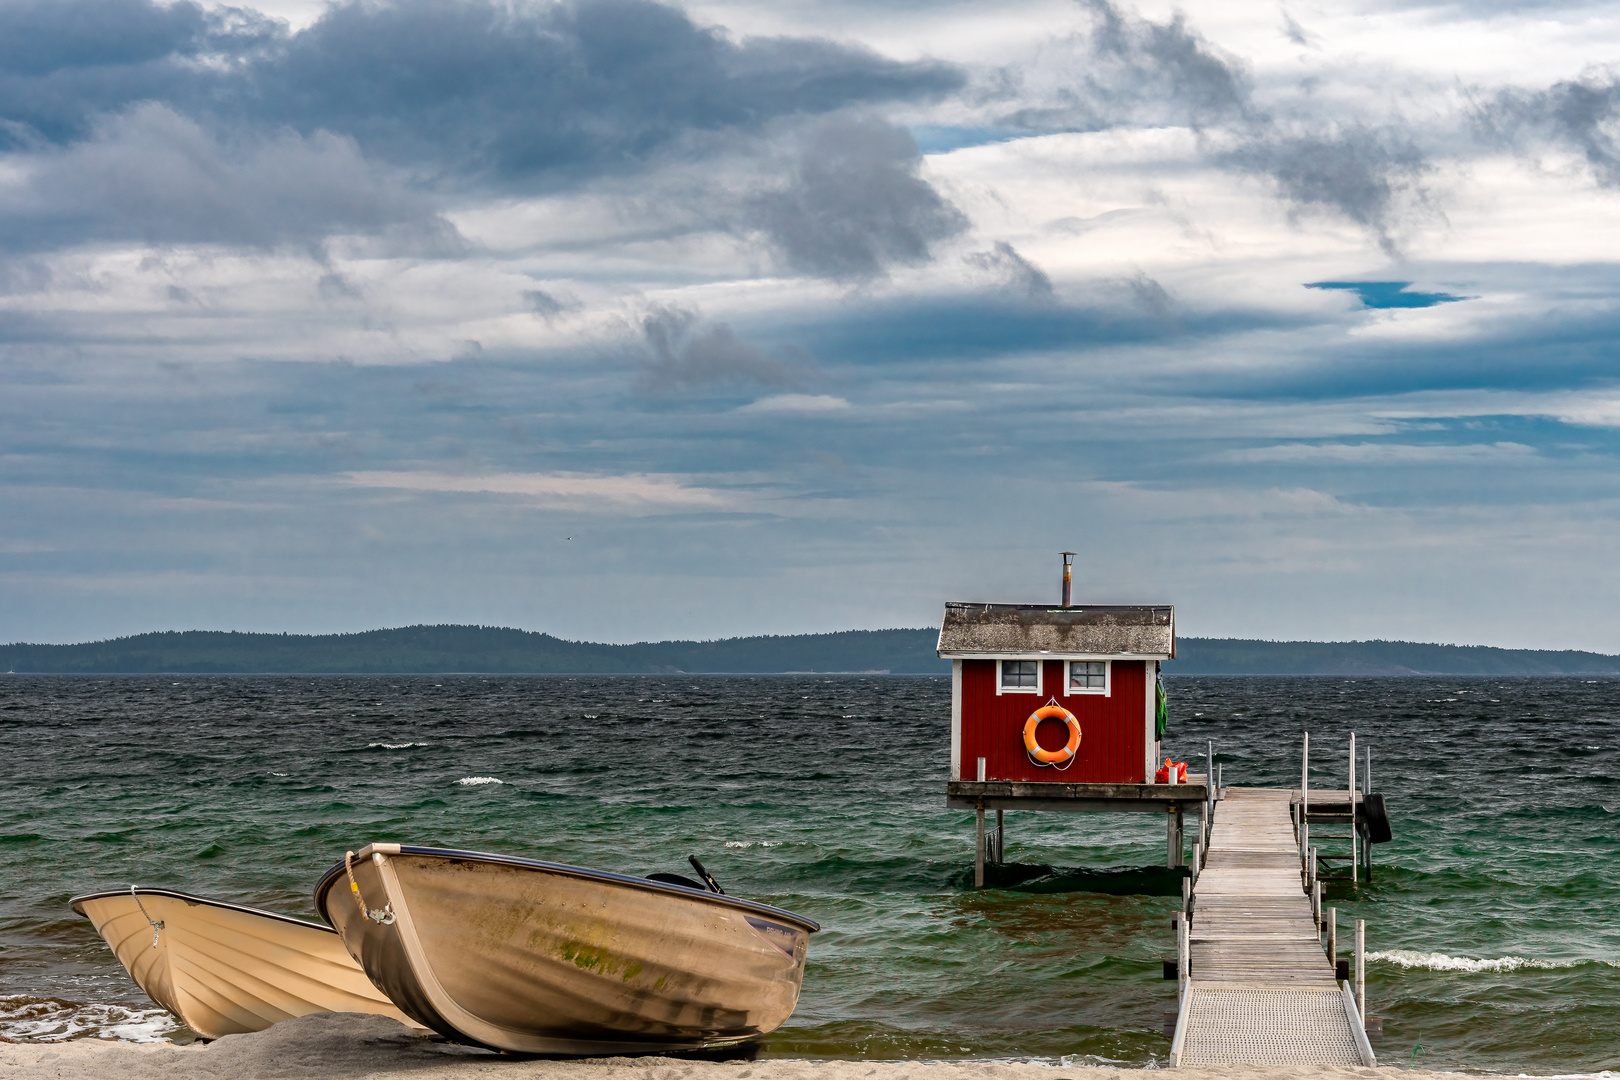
x=1159, y=711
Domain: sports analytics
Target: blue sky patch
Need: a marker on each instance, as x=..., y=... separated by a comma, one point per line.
x=1387, y=294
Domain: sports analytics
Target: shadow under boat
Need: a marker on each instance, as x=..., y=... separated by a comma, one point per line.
x=545, y=958
x=225, y=969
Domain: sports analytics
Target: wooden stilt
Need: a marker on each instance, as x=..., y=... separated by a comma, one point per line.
x=1001, y=840
x=978, y=854
x=1175, y=854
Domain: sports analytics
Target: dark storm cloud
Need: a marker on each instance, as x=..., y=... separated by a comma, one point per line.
x=1152, y=297
x=153, y=176
x=65, y=62
x=684, y=352
x=1135, y=70
x=549, y=305
x=475, y=89
x=1016, y=272
x=854, y=203
x=1362, y=173
x=1582, y=113
x=1170, y=60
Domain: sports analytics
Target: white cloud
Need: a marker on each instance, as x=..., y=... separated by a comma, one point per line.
x=638, y=492
x=1501, y=453
x=797, y=403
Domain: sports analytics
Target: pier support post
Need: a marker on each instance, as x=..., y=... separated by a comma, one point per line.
x=1001, y=840
x=1175, y=852
x=978, y=854
x=1333, y=936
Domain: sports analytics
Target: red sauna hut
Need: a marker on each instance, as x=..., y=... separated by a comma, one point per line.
x=1057, y=708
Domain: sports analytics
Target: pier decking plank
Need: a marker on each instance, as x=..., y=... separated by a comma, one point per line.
x=1261, y=990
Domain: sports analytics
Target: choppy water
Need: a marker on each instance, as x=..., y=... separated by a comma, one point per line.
x=1491, y=916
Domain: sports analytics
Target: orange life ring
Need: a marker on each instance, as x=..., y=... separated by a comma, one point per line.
x=1051, y=757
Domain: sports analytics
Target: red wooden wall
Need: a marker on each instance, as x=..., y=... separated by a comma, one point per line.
x=1111, y=728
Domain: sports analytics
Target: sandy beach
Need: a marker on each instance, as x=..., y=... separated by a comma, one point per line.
x=347, y=1046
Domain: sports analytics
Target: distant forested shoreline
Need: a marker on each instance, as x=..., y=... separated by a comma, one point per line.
x=499, y=650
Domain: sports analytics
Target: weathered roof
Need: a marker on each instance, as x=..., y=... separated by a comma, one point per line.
x=1004, y=629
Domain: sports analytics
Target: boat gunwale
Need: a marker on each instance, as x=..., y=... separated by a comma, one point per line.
x=568, y=870
x=192, y=898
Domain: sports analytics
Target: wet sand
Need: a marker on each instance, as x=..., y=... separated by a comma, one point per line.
x=350, y=1046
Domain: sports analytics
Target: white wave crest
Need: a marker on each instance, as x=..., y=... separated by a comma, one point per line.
x=51, y=1020
x=753, y=843
x=1433, y=961
x=474, y=781
x=393, y=745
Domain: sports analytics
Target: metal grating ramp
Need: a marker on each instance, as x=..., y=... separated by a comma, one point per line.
x=1232, y=1026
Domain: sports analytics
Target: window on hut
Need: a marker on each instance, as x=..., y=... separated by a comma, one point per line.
x=1088, y=675
x=1020, y=674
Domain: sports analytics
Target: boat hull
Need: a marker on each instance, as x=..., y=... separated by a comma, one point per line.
x=543, y=958
x=224, y=969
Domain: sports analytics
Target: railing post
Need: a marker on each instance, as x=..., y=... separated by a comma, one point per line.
x=1361, y=970
x=1209, y=778
x=1305, y=795
x=1355, y=851
x=1333, y=937
x=1183, y=954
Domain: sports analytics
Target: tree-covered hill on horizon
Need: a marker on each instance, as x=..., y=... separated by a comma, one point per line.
x=499, y=650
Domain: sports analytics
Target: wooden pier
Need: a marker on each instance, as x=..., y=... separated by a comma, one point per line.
x=1174, y=801
x=1256, y=985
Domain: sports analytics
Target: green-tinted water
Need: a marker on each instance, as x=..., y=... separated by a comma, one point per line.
x=1489, y=916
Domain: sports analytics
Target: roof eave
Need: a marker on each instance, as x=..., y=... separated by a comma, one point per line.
x=1046, y=654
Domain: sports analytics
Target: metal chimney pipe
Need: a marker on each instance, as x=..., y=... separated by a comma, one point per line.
x=1068, y=560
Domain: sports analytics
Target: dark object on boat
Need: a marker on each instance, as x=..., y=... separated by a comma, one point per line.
x=1375, y=818
x=544, y=958
x=708, y=879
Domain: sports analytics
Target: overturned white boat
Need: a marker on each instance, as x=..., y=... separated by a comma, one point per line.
x=225, y=969
x=544, y=958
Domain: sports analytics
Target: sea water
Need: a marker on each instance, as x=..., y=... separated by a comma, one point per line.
x=1491, y=922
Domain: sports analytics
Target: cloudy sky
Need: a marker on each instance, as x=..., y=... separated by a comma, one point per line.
x=625, y=320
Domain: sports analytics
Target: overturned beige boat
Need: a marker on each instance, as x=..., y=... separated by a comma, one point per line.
x=224, y=969
x=544, y=958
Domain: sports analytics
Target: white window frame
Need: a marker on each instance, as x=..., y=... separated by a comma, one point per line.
x=1107, y=688
x=1040, y=675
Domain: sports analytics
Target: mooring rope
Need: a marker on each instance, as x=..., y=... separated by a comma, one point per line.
x=383, y=916
x=156, y=925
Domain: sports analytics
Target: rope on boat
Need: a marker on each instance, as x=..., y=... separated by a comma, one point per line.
x=156, y=926
x=383, y=916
